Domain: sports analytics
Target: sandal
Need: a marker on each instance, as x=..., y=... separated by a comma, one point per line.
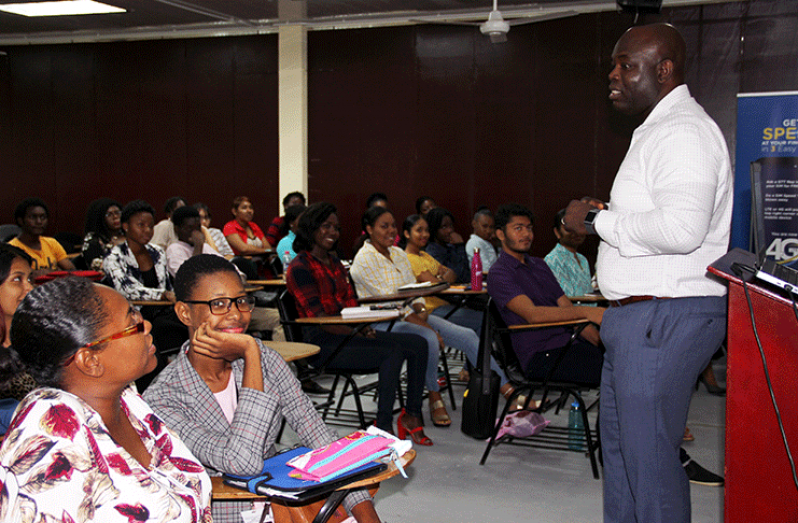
x=441, y=420
x=416, y=435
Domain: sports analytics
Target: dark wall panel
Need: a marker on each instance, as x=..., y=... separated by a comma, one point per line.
x=140, y=120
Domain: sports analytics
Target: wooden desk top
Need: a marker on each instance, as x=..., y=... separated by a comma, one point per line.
x=292, y=351
x=588, y=298
x=222, y=492
x=406, y=295
x=463, y=290
x=253, y=288
x=547, y=324
x=147, y=303
x=338, y=320
x=278, y=282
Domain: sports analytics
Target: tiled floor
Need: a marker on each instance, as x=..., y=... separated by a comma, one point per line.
x=447, y=484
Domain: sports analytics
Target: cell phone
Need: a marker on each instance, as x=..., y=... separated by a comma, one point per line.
x=385, y=307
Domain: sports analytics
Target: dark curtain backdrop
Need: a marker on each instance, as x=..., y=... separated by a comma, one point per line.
x=434, y=110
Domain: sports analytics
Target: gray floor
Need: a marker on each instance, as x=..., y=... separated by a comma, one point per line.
x=447, y=484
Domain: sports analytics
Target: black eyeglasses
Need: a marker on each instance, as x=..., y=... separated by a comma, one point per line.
x=221, y=306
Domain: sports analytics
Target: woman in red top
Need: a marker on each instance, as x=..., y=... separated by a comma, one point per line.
x=244, y=235
x=319, y=284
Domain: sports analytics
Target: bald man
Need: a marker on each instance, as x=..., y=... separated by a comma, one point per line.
x=668, y=218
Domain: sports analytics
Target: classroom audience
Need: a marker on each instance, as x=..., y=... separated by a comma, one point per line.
x=164, y=234
x=190, y=239
x=226, y=394
x=85, y=445
x=415, y=237
x=424, y=204
x=277, y=229
x=46, y=253
x=380, y=269
x=15, y=284
x=318, y=281
x=244, y=235
x=138, y=269
x=569, y=266
x=215, y=236
x=482, y=239
x=285, y=249
x=446, y=245
x=103, y=231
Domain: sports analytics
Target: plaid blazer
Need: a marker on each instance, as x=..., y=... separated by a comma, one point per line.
x=187, y=406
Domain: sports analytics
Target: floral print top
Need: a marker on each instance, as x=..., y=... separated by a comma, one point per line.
x=59, y=463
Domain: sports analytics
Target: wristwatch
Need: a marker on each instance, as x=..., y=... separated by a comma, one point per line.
x=589, y=219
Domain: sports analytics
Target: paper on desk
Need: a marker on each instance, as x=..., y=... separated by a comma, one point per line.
x=421, y=285
x=366, y=312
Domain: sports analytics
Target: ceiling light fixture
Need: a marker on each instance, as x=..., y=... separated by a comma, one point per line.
x=63, y=8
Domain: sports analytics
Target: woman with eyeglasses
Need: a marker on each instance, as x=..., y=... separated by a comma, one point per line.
x=226, y=394
x=85, y=445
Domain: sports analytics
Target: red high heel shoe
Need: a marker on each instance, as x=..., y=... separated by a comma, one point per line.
x=416, y=434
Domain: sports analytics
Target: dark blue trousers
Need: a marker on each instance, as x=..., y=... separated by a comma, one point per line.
x=654, y=353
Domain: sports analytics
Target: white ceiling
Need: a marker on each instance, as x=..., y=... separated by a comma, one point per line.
x=157, y=19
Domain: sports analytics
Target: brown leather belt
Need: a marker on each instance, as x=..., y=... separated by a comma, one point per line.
x=635, y=299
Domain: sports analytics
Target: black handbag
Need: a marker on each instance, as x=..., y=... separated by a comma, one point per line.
x=481, y=397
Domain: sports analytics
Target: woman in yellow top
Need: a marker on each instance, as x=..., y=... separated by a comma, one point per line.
x=415, y=235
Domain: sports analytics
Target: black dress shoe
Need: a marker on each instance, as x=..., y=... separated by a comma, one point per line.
x=311, y=387
x=701, y=476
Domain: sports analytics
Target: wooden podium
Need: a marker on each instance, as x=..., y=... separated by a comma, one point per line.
x=759, y=481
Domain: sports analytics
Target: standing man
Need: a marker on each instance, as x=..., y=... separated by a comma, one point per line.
x=667, y=220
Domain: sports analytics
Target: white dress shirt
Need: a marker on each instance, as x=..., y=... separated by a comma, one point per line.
x=670, y=206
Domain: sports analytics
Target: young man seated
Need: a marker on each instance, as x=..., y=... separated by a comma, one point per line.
x=191, y=242
x=47, y=254
x=526, y=291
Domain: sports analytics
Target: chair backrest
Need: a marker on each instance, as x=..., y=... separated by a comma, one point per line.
x=502, y=344
x=286, y=306
x=276, y=265
x=9, y=231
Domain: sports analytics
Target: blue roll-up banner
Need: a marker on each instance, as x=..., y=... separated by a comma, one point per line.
x=766, y=175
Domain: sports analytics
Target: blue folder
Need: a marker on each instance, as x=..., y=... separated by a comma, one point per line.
x=275, y=476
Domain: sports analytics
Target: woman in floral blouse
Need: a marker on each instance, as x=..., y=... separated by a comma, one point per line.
x=85, y=446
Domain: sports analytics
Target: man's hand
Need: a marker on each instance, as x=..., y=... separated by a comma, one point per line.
x=575, y=213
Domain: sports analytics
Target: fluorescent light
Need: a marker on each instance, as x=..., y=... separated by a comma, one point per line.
x=63, y=8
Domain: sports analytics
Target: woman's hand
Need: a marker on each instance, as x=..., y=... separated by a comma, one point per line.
x=223, y=345
x=168, y=296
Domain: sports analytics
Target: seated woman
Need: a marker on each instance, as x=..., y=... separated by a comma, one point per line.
x=103, y=231
x=15, y=283
x=288, y=229
x=415, y=237
x=379, y=269
x=47, y=254
x=215, y=237
x=137, y=269
x=226, y=393
x=85, y=445
x=446, y=245
x=424, y=204
x=318, y=282
x=244, y=235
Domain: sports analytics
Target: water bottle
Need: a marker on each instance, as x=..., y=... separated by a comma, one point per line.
x=576, y=428
x=286, y=262
x=476, y=271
